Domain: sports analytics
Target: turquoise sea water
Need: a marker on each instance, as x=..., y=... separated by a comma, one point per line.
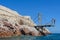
x=47, y=37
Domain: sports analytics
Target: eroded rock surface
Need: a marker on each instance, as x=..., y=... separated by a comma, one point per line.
x=12, y=24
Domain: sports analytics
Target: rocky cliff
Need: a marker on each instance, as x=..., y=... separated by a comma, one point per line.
x=12, y=24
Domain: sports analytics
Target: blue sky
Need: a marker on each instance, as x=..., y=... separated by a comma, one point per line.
x=48, y=8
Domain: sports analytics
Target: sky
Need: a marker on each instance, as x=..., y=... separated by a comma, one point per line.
x=47, y=8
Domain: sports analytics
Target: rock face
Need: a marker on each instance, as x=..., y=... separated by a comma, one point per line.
x=12, y=24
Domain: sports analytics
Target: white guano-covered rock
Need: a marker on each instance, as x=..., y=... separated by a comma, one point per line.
x=11, y=24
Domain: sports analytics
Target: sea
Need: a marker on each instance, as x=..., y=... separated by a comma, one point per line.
x=54, y=36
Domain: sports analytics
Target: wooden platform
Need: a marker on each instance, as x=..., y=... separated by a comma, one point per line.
x=44, y=26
